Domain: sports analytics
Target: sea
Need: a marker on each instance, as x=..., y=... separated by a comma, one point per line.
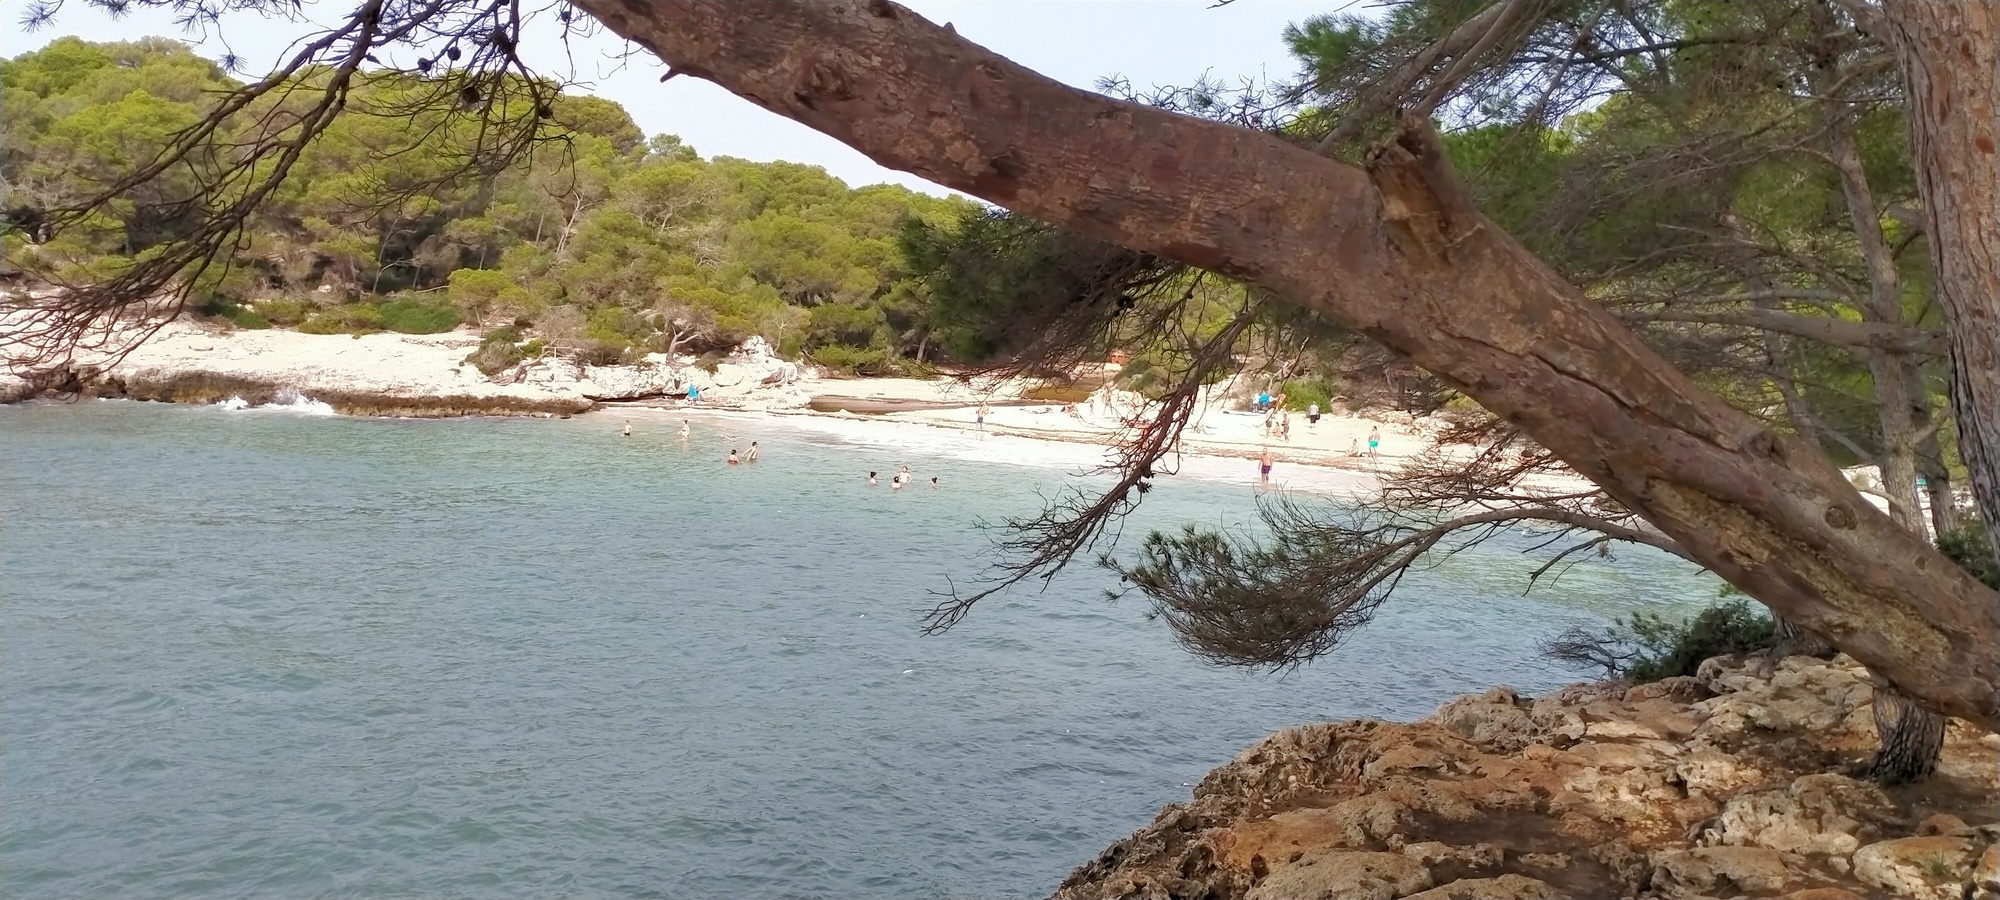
x=276, y=652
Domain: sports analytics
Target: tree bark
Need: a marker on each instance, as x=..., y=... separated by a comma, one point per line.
x=1949, y=53
x=1396, y=252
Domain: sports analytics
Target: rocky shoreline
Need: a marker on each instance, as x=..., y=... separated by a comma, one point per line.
x=1730, y=784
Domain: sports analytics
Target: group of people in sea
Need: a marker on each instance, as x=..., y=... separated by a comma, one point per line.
x=902, y=479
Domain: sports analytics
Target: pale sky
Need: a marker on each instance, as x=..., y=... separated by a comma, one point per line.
x=1150, y=42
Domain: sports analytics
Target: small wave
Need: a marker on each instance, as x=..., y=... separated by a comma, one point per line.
x=300, y=403
x=287, y=400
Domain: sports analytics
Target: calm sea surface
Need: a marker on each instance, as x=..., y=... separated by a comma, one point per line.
x=267, y=654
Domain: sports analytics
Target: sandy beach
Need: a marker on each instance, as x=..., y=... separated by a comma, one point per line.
x=427, y=375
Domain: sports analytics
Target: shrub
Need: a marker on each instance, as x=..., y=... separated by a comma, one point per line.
x=497, y=352
x=411, y=316
x=1969, y=548
x=857, y=360
x=221, y=307
x=1646, y=647
x=352, y=318
x=283, y=310
x=601, y=353
x=708, y=362
x=1303, y=392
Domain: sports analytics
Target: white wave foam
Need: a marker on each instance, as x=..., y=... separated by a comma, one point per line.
x=286, y=401
x=293, y=401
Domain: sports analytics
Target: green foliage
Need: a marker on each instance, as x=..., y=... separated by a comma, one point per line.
x=224, y=308
x=497, y=352
x=350, y=318
x=853, y=360
x=412, y=316
x=1646, y=647
x=1969, y=547
x=1303, y=392
x=646, y=241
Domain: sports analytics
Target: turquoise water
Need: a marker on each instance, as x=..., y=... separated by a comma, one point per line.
x=268, y=654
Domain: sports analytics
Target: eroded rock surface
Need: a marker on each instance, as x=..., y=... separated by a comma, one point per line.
x=1730, y=784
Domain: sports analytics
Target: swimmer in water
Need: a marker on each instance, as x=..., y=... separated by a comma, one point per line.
x=934, y=482
x=871, y=479
x=628, y=428
x=752, y=455
x=733, y=459
x=684, y=429
x=902, y=478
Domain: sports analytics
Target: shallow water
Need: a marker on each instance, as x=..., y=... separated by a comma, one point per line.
x=261, y=653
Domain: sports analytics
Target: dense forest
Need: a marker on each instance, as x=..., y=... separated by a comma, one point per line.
x=600, y=238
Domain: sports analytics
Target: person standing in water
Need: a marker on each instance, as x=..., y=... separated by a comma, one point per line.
x=1264, y=460
x=934, y=482
x=871, y=479
x=734, y=460
x=752, y=455
x=1374, y=441
x=902, y=477
x=628, y=427
x=684, y=430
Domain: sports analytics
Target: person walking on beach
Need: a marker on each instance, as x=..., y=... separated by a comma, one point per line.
x=752, y=455
x=734, y=460
x=1374, y=441
x=1312, y=415
x=979, y=417
x=1285, y=425
x=1264, y=466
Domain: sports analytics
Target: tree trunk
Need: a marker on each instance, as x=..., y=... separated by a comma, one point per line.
x=1912, y=738
x=1396, y=252
x=1949, y=53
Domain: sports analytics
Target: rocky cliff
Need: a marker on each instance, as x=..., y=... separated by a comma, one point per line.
x=1729, y=784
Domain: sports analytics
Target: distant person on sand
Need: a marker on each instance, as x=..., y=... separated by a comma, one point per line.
x=1374, y=441
x=1285, y=426
x=1312, y=415
x=734, y=460
x=871, y=479
x=628, y=428
x=979, y=417
x=752, y=455
x=1264, y=466
x=1353, y=446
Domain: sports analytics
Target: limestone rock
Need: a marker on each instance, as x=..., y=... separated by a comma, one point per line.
x=1986, y=875
x=1505, y=887
x=1919, y=868
x=1344, y=875
x=1718, y=871
x=1820, y=813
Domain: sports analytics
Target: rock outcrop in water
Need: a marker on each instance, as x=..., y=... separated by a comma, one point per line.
x=1730, y=784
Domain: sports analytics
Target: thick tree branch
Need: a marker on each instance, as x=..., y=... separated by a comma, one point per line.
x=1395, y=252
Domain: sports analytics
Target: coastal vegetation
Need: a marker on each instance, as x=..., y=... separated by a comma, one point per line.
x=604, y=240
x=1697, y=253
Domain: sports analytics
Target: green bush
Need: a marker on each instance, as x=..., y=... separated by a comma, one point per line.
x=857, y=360
x=1646, y=647
x=1301, y=393
x=410, y=316
x=1969, y=548
x=352, y=318
x=283, y=310
x=221, y=307
x=497, y=352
